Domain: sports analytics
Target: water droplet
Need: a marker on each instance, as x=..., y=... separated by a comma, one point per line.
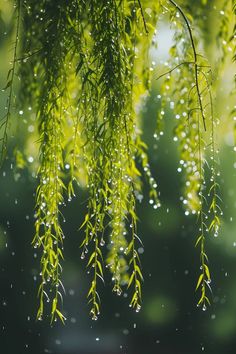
x=102, y=242
x=30, y=159
x=71, y=292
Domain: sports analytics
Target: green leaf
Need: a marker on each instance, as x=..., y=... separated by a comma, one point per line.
x=199, y=281
x=86, y=219
x=198, y=240
x=91, y=258
x=207, y=272
x=54, y=305
x=100, y=267
x=60, y=315
x=130, y=280
x=137, y=269
x=7, y=85
x=79, y=66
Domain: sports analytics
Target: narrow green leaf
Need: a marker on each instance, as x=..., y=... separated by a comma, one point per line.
x=199, y=281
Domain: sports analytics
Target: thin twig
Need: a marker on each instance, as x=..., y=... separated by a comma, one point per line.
x=26, y=57
x=173, y=69
x=142, y=14
x=195, y=55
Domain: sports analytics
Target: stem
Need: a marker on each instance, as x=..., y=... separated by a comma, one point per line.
x=195, y=55
x=173, y=69
x=142, y=14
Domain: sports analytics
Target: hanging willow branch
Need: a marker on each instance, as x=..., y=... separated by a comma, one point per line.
x=4, y=123
x=193, y=106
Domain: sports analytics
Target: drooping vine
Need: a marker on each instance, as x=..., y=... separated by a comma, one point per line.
x=5, y=121
x=192, y=104
x=49, y=235
x=113, y=131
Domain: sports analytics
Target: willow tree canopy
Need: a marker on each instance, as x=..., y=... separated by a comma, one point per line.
x=84, y=69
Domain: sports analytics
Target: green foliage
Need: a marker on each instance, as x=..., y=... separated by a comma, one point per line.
x=232, y=40
x=4, y=122
x=192, y=104
x=84, y=68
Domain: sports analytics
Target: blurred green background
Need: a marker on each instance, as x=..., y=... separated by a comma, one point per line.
x=169, y=322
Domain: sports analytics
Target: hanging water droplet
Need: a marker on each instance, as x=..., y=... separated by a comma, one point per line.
x=118, y=292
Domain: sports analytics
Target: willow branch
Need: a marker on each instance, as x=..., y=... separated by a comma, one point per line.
x=10, y=83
